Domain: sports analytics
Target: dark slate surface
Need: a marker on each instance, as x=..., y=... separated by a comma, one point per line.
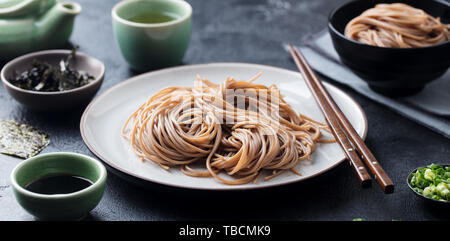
x=241, y=31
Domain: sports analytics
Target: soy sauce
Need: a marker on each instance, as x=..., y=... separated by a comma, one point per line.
x=58, y=184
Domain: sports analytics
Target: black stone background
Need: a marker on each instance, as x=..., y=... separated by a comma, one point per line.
x=241, y=31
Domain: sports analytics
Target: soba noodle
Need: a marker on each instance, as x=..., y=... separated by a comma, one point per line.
x=397, y=25
x=207, y=124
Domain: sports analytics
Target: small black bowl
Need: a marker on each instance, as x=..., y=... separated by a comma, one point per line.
x=427, y=199
x=391, y=71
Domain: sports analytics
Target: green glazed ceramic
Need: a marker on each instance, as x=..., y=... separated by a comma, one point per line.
x=71, y=206
x=152, y=44
x=31, y=25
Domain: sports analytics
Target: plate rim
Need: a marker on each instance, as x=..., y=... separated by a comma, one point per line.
x=235, y=187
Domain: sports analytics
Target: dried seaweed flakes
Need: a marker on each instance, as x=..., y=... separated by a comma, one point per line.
x=21, y=140
x=45, y=77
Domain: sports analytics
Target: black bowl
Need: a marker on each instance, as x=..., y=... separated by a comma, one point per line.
x=391, y=71
x=427, y=199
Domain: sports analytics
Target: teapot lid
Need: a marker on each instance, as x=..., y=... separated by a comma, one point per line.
x=22, y=8
x=9, y=3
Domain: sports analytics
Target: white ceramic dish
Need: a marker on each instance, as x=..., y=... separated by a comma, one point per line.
x=104, y=117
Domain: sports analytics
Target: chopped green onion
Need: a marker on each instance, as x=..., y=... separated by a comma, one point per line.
x=432, y=181
x=358, y=219
x=429, y=174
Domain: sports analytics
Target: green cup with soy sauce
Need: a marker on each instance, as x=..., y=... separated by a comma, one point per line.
x=152, y=33
x=59, y=185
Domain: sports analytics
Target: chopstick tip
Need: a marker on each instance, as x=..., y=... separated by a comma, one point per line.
x=389, y=189
x=366, y=183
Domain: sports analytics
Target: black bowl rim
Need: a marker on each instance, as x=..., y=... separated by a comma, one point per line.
x=330, y=25
x=14, y=61
x=420, y=195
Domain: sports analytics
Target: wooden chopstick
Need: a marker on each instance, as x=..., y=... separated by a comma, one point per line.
x=355, y=162
x=330, y=108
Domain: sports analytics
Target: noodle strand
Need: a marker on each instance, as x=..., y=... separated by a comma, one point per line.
x=397, y=25
x=180, y=126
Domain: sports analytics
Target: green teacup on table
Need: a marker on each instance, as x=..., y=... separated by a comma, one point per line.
x=59, y=185
x=152, y=33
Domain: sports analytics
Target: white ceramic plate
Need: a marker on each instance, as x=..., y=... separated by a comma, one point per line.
x=103, y=119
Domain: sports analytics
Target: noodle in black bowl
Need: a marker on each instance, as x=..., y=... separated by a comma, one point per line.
x=391, y=71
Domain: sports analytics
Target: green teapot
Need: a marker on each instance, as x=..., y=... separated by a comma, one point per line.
x=32, y=25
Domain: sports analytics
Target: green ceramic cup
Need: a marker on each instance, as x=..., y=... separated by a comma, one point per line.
x=145, y=45
x=70, y=206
